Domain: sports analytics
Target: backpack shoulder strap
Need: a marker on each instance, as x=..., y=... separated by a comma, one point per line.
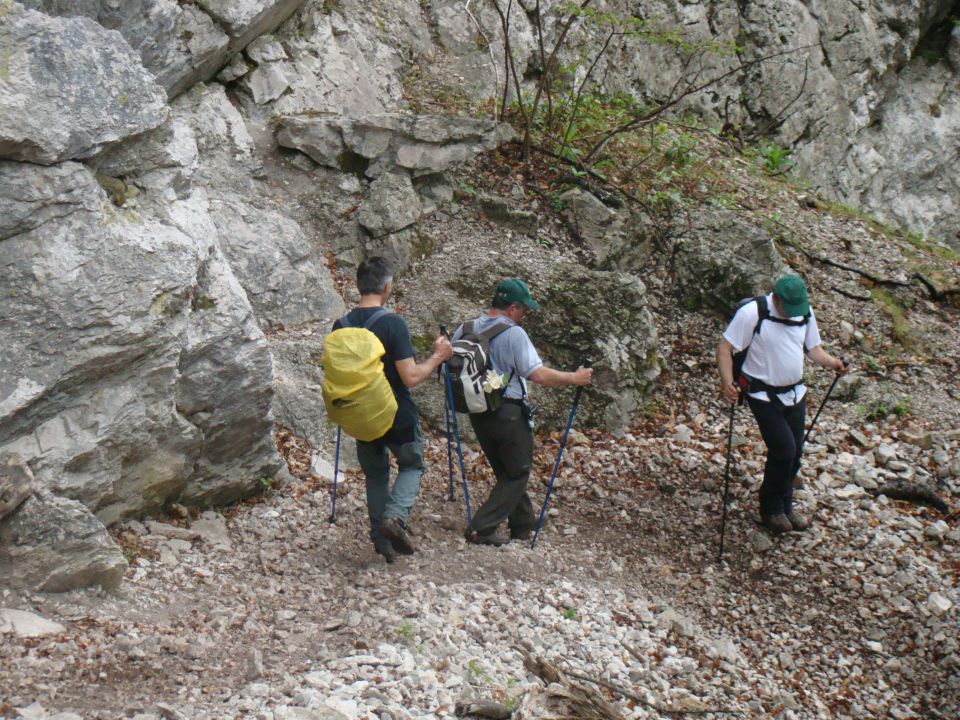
x=763, y=312
x=467, y=328
x=491, y=332
x=371, y=321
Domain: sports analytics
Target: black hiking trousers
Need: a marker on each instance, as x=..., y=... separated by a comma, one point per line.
x=507, y=441
x=782, y=431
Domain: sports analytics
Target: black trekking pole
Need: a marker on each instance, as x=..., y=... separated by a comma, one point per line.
x=556, y=465
x=726, y=480
x=456, y=434
x=336, y=471
x=447, y=410
x=825, y=398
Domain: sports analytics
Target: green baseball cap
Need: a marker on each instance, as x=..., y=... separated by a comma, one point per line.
x=792, y=294
x=515, y=291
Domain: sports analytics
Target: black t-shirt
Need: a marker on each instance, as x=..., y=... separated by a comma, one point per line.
x=393, y=332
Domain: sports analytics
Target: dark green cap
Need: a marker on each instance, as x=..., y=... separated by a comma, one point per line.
x=792, y=294
x=515, y=291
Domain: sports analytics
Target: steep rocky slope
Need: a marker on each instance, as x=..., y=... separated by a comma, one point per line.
x=172, y=253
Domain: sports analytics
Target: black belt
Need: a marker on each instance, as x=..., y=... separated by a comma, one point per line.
x=514, y=401
x=755, y=385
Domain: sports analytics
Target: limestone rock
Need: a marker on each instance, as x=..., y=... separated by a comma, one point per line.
x=723, y=259
x=33, y=196
x=16, y=483
x=384, y=143
x=53, y=544
x=27, y=624
x=115, y=361
x=617, y=238
x=70, y=87
x=499, y=211
x=391, y=205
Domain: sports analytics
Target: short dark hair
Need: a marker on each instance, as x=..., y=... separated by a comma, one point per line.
x=501, y=304
x=373, y=274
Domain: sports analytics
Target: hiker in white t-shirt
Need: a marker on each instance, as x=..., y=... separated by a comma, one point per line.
x=773, y=383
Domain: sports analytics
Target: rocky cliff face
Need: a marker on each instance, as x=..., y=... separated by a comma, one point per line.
x=865, y=94
x=176, y=178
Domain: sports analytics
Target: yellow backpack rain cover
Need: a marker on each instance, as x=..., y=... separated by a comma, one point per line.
x=356, y=392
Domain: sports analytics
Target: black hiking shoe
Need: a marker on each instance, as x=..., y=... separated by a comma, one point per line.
x=778, y=523
x=388, y=553
x=488, y=538
x=393, y=530
x=521, y=534
x=798, y=521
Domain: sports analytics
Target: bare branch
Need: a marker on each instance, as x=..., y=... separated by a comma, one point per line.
x=663, y=107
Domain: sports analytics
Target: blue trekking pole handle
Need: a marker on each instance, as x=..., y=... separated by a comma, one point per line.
x=825, y=398
x=456, y=433
x=556, y=465
x=447, y=410
x=336, y=471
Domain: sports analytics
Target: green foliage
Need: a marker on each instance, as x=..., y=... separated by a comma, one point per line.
x=890, y=305
x=885, y=407
x=680, y=152
x=474, y=673
x=873, y=365
x=570, y=613
x=405, y=632
x=776, y=159
x=557, y=203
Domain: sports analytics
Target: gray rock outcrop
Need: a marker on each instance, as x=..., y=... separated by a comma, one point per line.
x=377, y=144
x=865, y=94
x=722, y=259
x=134, y=371
x=53, y=544
x=16, y=483
x=68, y=87
x=180, y=43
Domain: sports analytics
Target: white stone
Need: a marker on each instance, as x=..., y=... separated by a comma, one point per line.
x=939, y=604
x=27, y=624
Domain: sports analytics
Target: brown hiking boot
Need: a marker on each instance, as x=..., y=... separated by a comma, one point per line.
x=488, y=538
x=799, y=522
x=393, y=530
x=777, y=523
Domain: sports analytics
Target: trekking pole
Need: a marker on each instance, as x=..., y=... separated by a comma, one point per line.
x=447, y=410
x=336, y=471
x=825, y=398
x=456, y=433
x=726, y=480
x=556, y=465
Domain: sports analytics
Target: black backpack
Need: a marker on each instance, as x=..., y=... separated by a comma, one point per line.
x=763, y=313
x=469, y=367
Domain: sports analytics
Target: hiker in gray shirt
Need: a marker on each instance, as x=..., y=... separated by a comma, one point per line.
x=506, y=434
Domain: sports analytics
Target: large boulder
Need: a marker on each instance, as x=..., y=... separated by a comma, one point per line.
x=615, y=238
x=52, y=544
x=722, y=258
x=133, y=371
x=600, y=317
x=69, y=87
x=586, y=315
x=180, y=43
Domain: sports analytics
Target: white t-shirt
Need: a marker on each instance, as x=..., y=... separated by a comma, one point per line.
x=776, y=352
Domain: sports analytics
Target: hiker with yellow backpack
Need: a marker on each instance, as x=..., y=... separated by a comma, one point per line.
x=369, y=367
